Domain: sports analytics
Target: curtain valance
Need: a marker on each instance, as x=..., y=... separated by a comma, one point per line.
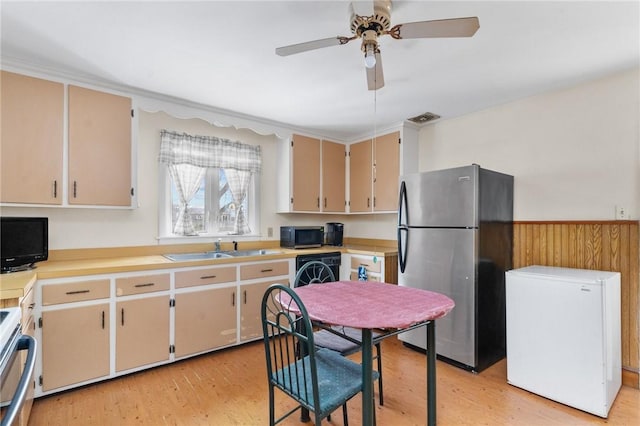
x=208, y=151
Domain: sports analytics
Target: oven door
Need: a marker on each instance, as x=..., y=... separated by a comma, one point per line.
x=16, y=378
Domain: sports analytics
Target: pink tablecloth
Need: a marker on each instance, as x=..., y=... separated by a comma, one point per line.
x=372, y=305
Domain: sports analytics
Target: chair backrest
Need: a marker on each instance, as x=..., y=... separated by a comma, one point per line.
x=289, y=347
x=314, y=272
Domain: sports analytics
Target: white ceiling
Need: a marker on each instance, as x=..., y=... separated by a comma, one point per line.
x=221, y=54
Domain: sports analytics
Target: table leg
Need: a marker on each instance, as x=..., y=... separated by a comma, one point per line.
x=431, y=373
x=367, y=378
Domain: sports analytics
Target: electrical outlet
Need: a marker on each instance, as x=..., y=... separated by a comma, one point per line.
x=621, y=213
x=269, y=232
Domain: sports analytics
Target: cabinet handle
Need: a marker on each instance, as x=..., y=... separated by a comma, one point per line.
x=233, y=299
x=325, y=202
x=122, y=316
x=77, y=292
x=208, y=277
x=368, y=202
x=374, y=202
x=55, y=189
x=318, y=199
x=31, y=305
x=103, y=320
x=266, y=270
x=145, y=285
x=75, y=189
x=245, y=296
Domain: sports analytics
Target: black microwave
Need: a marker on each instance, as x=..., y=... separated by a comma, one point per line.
x=301, y=236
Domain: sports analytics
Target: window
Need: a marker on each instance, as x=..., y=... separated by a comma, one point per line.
x=208, y=186
x=212, y=209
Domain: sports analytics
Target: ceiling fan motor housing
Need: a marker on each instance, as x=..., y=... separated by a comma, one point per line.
x=379, y=22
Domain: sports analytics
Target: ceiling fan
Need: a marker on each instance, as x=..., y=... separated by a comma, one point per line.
x=369, y=28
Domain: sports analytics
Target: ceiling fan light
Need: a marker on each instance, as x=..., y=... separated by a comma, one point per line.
x=369, y=57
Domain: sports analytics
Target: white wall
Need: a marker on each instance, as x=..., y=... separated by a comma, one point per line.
x=574, y=153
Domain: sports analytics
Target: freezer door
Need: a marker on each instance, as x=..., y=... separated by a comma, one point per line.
x=443, y=198
x=443, y=260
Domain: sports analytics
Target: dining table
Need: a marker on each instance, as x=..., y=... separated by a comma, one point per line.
x=387, y=308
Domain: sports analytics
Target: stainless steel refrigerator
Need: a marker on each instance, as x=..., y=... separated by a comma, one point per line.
x=455, y=233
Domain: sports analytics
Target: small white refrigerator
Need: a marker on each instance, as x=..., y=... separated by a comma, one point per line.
x=563, y=335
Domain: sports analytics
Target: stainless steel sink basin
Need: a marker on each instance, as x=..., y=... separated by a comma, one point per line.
x=182, y=257
x=261, y=252
x=178, y=257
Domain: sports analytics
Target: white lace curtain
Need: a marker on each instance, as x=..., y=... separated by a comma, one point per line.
x=193, y=155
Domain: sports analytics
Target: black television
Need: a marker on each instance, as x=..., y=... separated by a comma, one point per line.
x=24, y=241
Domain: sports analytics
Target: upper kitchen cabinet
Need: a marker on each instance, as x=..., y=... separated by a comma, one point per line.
x=92, y=165
x=99, y=148
x=333, y=176
x=305, y=171
x=374, y=167
x=311, y=176
x=31, y=145
x=386, y=172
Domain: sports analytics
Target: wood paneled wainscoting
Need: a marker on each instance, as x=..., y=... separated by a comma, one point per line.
x=597, y=245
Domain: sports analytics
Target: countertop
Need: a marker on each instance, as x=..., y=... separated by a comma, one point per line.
x=12, y=285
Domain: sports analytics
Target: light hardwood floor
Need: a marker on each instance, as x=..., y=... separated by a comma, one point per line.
x=228, y=387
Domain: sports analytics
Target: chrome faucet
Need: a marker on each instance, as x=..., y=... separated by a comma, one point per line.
x=217, y=244
x=235, y=246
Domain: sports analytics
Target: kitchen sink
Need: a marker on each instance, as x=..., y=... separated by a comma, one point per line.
x=181, y=257
x=178, y=257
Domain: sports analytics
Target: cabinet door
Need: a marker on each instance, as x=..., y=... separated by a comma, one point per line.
x=142, y=332
x=205, y=320
x=250, y=308
x=360, y=176
x=305, y=173
x=31, y=141
x=387, y=172
x=99, y=148
x=75, y=345
x=333, y=177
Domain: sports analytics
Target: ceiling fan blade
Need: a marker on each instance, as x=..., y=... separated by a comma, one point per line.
x=456, y=27
x=375, y=76
x=312, y=45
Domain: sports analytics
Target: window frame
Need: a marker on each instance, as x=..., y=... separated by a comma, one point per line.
x=164, y=209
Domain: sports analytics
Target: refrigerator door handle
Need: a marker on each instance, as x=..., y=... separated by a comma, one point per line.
x=402, y=205
x=402, y=248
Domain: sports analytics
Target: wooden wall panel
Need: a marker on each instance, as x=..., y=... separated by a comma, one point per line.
x=598, y=245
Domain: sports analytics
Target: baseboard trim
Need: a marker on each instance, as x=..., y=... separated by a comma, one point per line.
x=630, y=378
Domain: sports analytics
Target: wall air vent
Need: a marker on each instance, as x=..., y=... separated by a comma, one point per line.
x=424, y=118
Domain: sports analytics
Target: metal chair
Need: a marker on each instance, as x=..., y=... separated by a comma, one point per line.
x=345, y=340
x=319, y=379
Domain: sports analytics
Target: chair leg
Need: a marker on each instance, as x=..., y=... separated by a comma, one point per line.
x=272, y=408
x=379, y=374
x=345, y=417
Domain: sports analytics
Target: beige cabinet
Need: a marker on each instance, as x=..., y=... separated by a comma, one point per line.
x=75, y=345
x=386, y=172
x=205, y=319
x=374, y=167
x=75, y=339
x=305, y=179
x=251, y=292
x=250, y=308
x=142, y=325
x=333, y=176
x=99, y=148
x=313, y=172
x=142, y=332
x=98, y=144
x=360, y=177
x=31, y=141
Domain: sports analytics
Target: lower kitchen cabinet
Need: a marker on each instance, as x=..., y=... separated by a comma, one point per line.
x=373, y=266
x=250, y=309
x=75, y=345
x=205, y=320
x=142, y=332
